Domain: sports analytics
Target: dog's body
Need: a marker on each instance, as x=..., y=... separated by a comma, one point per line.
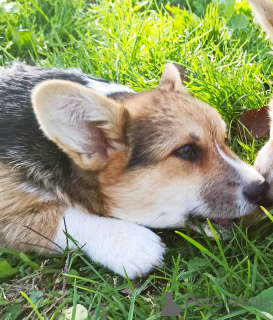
x=109, y=159
x=263, y=10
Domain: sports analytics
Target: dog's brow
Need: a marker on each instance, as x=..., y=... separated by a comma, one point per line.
x=195, y=137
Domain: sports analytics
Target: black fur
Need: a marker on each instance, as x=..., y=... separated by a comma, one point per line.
x=144, y=134
x=23, y=145
x=141, y=137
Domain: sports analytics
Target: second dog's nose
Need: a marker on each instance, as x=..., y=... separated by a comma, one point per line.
x=254, y=193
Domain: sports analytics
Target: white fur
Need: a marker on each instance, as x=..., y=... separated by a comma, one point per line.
x=264, y=164
x=106, y=88
x=264, y=160
x=248, y=175
x=114, y=243
x=247, y=172
x=263, y=10
x=166, y=207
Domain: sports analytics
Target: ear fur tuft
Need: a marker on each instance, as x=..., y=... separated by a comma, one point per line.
x=172, y=77
x=84, y=124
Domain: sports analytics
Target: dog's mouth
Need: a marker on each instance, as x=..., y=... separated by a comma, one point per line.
x=225, y=223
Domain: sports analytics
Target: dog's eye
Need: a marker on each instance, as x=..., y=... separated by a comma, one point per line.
x=190, y=152
x=226, y=140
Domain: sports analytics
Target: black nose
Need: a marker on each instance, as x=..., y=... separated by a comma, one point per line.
x=254, y=193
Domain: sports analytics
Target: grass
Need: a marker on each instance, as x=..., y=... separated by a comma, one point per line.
x=229, y=64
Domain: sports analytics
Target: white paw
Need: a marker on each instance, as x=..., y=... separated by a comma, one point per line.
x=116, y=244
x=138, y=251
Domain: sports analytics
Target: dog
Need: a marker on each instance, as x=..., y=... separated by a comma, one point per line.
x=263, y=11
x=104, y=162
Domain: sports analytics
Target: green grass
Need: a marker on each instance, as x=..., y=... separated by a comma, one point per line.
x=228, y=61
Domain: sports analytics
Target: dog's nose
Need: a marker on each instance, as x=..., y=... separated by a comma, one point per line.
x=255, y=193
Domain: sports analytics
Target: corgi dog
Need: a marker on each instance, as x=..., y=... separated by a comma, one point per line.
x=263, y=11
x=103, y=162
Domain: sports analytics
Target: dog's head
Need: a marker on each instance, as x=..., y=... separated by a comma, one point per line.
x=161, y=156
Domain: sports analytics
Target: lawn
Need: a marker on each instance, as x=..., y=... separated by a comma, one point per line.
x=228, y=61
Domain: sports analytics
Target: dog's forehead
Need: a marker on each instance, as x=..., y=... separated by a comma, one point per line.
x=165, y=122
x=174, y=113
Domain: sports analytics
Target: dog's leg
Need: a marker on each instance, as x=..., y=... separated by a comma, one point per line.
x=116, y=244
x=32, y=229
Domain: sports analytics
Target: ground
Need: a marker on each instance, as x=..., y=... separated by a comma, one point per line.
x=228, y=61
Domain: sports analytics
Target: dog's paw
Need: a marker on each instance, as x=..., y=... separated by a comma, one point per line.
x=131, y=247
x=116, y=244
x=139, y=251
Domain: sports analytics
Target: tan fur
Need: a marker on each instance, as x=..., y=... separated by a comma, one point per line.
x=156, y=123
x=263, y=10
x=94, y=164
x=124, y=162
x=19, y=209
x=171, y=79
x=125, y=190
x=109, y=117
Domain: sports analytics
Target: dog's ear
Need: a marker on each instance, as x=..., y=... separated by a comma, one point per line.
x=84, y=124
x=172, y=77
x=270, y=113
x=263, y=11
